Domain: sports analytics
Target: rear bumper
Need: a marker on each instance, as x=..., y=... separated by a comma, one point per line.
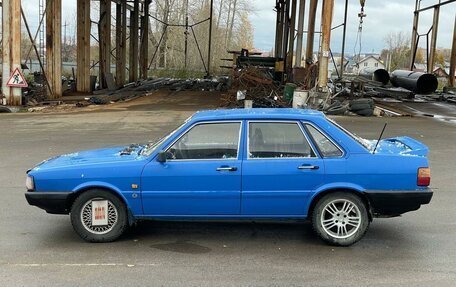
x=52, y=202
x=394, y=203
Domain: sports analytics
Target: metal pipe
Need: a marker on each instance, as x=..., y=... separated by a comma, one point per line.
x=378, y=75
x=417, y=82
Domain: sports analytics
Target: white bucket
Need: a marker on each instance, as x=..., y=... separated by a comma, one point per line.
x=248, y=104
x=300, y=99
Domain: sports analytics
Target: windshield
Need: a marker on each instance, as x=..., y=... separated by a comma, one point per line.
x=365, y=143
x=151, y=147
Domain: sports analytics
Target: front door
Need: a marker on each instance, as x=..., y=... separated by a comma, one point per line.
x=280, y=171
x=202, y=178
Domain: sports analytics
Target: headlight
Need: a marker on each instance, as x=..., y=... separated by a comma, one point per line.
x=30, y=183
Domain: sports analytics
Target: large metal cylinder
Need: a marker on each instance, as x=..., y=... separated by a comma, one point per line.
x=417, y=82
x=378, y=75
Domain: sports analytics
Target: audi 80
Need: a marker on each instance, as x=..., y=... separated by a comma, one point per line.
x=249, y=164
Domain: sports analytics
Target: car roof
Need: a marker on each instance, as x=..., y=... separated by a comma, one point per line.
x=256, y=113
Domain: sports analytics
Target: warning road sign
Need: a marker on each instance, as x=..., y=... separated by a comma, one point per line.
x=17, y=80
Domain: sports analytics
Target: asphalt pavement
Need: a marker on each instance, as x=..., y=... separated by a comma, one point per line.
x=38, y=249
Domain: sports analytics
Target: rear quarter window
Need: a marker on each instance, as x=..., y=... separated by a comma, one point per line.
x=326, y=147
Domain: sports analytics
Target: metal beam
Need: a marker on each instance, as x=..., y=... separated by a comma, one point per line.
x=435, y=6
x=311, y=31
x=121, y=43
x=144, y=50
x=209, y=48
x=327, y=14
x=54, y=47
x=104, y=28
x=453, y=58
x=291, y=35
x=341, y=74
x=435, y=26
x=302, y=8
x=83, y=46
x=134, y=33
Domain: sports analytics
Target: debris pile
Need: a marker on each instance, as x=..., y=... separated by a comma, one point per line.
x=257, y=85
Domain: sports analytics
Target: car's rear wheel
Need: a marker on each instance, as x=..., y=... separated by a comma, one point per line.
x=99, y=216
x=340, y=218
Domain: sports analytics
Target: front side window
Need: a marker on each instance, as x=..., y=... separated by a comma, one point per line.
x=326, y=147
x=277, y=140
x=208, y=141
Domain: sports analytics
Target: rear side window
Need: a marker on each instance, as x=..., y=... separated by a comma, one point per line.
x=208, y=141
x=326, y=147
x=277, y=140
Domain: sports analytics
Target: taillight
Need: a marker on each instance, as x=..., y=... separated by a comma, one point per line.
x=424, y=176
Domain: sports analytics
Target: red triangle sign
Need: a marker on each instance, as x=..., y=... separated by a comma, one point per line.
x=17, y=80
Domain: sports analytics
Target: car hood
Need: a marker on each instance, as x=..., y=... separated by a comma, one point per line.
x=98, y=156
x=400, y=145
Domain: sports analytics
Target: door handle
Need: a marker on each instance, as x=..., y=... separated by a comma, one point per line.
x=227, y=168
x=314, y=167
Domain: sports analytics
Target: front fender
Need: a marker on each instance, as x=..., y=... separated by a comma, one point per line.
x=100, y=184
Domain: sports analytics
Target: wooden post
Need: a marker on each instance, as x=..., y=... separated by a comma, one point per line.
x=435, y=26
x=11, y=50
x=311, y=31
x=54, y=47
x=121, y=43
x=144, y=51
x=302, y=8
x=134, y=27
x=327, y=14
x=83, y=46
x=452, y=74
x=105, y=41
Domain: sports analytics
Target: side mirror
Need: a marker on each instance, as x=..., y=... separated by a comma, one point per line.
x=163, y=156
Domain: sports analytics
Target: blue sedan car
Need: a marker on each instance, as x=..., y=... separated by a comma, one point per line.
x=251, y=164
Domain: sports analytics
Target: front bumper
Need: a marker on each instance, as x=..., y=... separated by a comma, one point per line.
x=394, y=203
x=52, y=202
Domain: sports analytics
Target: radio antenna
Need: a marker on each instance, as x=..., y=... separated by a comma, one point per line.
x=379, y=138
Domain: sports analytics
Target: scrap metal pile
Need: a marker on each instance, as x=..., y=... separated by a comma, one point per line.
x=256, y=85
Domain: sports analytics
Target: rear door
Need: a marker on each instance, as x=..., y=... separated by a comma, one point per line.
x=204, y=176
x=280, y=170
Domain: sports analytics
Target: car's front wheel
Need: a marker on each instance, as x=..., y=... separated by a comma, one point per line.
x=340, y=218
x=99, y=216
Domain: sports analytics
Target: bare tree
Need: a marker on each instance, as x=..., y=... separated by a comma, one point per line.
x=397, y=44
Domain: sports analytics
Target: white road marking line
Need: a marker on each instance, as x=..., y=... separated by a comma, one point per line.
x=78, y=264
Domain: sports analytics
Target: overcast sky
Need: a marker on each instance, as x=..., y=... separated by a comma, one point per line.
x=383, y=16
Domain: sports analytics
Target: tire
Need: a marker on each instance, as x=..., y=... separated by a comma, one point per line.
x=365, y=113
x=331, y=223
x=361, y=104
x=117, y=217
